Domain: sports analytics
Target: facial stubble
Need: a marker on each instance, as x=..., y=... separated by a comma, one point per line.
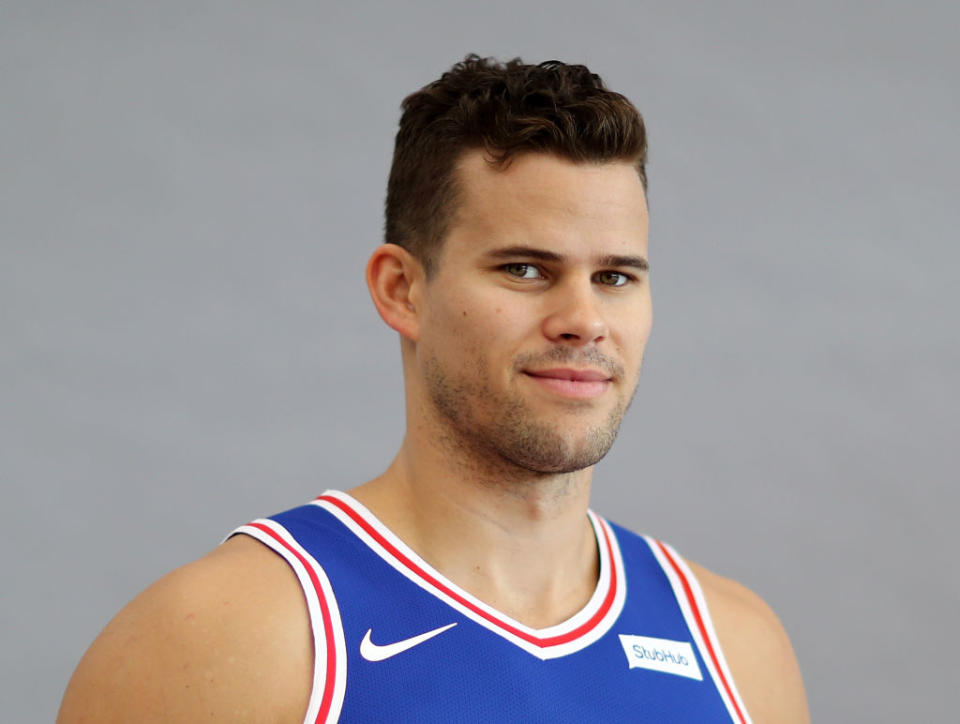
x=503, y=430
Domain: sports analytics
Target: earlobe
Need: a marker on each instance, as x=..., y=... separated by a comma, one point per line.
x=392, y=277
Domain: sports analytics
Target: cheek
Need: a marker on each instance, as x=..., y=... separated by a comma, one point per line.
x=491, y=315
x=486, y=336
x=454, y=331
x=467, y=316
x=504, y=330
x=635, y=331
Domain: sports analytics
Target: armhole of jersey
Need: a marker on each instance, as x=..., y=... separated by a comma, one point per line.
x=329, y=646
x=693, y=605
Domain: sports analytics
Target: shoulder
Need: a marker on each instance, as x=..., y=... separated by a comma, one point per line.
x=225, y=637
x=756, y=648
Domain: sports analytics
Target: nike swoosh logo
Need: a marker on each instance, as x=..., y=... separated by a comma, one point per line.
x=371, y=652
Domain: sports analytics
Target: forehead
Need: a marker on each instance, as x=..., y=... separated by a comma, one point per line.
x=546, y=200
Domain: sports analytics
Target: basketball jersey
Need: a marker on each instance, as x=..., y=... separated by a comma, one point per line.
x=396, y=641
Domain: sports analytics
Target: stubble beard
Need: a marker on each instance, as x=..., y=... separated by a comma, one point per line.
x=504, y=433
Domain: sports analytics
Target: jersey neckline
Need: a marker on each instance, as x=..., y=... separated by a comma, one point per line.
x=574, y=634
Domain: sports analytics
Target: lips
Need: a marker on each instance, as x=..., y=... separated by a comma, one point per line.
x=571, y=383
x=570, y=374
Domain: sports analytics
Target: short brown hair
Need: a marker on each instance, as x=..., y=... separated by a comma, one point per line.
x=504, y=109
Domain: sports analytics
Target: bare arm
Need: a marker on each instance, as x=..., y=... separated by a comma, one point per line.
x=757, y=650
x=224, y=638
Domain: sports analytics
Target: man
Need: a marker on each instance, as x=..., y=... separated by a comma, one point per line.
x=469, y=582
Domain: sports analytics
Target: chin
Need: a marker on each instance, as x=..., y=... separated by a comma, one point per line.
x=545, y=451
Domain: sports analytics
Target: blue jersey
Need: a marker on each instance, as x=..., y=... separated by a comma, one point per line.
x=396, y=641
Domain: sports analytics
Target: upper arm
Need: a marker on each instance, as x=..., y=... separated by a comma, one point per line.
x=225, y=638
x=757, y=650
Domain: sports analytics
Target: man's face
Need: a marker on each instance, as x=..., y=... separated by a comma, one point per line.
x=533, y=326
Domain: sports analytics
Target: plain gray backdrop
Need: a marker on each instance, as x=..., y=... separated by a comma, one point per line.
x=190, y=191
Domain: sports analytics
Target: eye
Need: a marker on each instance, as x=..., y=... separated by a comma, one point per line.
x=613, y=278
x=523, y=271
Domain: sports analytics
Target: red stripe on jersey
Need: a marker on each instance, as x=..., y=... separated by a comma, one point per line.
x=330, y=677
x=541, y=642
x=703, y=629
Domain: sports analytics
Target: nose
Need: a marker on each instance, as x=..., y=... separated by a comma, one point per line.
x=576, y=316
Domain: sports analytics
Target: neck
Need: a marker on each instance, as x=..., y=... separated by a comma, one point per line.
x=518, y=540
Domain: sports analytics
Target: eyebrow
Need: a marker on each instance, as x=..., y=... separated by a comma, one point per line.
x=530, y=252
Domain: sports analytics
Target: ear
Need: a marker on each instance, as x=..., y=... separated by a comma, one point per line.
x=394, y=277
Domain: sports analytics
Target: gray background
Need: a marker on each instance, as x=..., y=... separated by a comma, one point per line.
x=189, y=194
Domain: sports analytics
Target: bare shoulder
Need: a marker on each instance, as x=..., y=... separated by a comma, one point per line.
x=757, y=650
x=226, y=637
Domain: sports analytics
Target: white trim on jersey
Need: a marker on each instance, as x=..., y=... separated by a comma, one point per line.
x=547, y=643
x=268, y=532
x=722, y=680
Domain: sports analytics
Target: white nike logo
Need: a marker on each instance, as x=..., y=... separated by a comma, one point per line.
x=371, y=652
